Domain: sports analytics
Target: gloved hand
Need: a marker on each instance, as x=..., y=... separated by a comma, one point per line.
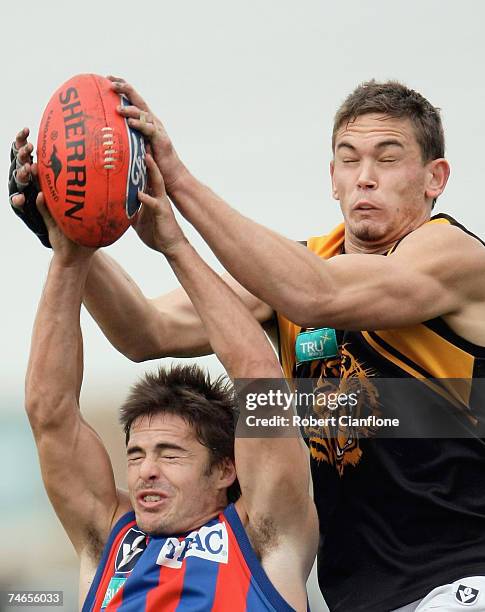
x=23, y=187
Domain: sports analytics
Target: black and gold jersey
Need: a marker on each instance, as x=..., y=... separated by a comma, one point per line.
x=398, y=516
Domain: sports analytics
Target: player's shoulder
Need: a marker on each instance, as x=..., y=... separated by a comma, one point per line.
x=123, y=507
x=445, y=235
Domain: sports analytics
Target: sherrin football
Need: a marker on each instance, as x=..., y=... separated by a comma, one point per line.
x=91, y=164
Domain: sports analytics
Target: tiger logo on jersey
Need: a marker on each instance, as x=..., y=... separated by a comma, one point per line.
x=339, y=445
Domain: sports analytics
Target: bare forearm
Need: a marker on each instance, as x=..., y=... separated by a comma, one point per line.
x=139, y=327
x=55, y=365
x=120, y=308
x=257, y=257
x=235, y=335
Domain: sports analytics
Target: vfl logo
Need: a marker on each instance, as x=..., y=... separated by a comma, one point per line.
x=466, y=595
x=137, y=175
x=131, y=547
x=138, y=166
x=54, y=164
x=209, y=543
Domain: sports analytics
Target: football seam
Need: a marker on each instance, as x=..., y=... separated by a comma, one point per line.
x=103, y=229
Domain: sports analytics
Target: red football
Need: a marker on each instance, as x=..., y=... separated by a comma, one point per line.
x=91, y=163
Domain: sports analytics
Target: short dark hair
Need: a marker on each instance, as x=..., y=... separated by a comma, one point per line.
x=209, y=407
x=396, y=100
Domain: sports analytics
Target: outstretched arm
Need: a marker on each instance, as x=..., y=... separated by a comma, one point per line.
x=437, y=266
x=273, y=472
x=75, y=466
x=165, y=326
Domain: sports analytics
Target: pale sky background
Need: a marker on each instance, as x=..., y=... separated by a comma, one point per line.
x=247, y=90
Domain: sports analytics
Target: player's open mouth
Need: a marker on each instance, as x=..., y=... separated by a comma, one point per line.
x=150, y=500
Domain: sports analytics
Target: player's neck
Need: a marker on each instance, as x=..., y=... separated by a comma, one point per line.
x=201, y=519
x=359, y=247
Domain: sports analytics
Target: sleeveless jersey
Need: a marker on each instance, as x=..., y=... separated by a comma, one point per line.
x=213, y=568
x=398, y=516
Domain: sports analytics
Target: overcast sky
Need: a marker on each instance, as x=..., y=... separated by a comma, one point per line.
x=247, y=90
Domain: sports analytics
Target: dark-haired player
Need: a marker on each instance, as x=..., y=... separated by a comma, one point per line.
x=391, y=292
x=173, y=541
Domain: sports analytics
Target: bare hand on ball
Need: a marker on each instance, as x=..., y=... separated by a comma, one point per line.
x=156, y=224
x=67, y=252
x=141, y=118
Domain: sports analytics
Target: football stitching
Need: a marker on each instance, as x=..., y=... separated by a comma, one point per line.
x=109, y=153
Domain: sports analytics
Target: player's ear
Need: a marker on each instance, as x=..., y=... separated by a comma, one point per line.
x=227, y=473
x=438, y=171
x=334, y=188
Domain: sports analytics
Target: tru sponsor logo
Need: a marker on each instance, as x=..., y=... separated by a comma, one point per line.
x=210, y=543
x=316, y=344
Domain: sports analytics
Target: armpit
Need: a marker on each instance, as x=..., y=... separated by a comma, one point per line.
x=263, y=535
x=94, y=545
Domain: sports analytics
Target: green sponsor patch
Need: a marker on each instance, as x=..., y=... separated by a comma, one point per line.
x=114, y=585
x=316, y=344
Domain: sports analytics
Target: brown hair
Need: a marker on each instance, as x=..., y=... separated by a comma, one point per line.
x=187, y=391
x=396, y=100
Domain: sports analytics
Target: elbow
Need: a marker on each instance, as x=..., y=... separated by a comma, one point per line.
x=147, y=343
x=252, y=368
x=313, y=311
x=141, y=350
x=33, y=397
x=46, y=411
x=137, y=355
x=34, y=407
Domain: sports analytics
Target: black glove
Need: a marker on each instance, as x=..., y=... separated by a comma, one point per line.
x=28, y=212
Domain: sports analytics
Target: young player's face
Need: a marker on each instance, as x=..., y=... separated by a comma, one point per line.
x=170, y=487
x=380, y=179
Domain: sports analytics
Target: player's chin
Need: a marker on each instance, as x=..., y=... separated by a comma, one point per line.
x=163, y=510
x=153, y=523
x=369, y=230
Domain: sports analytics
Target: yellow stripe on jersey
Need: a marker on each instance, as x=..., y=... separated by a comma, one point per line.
x=418, y=351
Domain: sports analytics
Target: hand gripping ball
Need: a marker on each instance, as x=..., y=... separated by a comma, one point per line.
x=91, y=164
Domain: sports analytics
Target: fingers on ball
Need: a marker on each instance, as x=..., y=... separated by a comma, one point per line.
x=21, y=138
x=134, y=112
x=23, y=173
x=153, y=169
x=147, y=199
x=25, y=152
x=155, y=179
x=130, y=111
x=115, y=79
x=131, y=93
x=44, y=211
x=147, y=129
x=18, y=200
